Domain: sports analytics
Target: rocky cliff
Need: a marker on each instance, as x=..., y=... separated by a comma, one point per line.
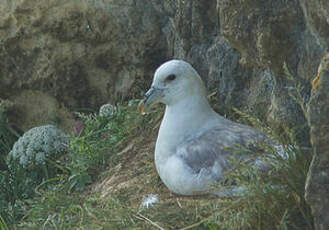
x=68, y=55
x=62, y=56
x=317, y=185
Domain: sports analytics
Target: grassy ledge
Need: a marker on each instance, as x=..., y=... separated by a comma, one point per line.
x=108, y=170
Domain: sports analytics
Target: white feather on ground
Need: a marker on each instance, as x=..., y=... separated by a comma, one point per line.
x=150, y=200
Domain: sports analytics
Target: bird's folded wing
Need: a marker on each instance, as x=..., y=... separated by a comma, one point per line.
x=208, y=150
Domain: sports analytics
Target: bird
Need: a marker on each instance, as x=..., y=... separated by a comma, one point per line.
x=193, y=145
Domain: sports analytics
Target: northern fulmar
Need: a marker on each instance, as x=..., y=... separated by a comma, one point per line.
x=191, y=150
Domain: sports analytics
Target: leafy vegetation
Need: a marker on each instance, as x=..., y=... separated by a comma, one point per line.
x=109, y=169
x=91, y=145
x=9, y=189
x=274, y=200
x=90, y=150
x=8, y=136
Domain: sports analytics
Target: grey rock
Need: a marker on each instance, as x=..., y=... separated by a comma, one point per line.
x=317, y=185
x=81, y=54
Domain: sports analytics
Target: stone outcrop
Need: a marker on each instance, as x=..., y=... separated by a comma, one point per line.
x=317, y=185
x=80, y=54
x=240, y=48
x=316, y=14
x=85, y=53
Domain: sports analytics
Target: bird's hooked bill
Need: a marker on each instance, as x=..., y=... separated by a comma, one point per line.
x=151, y=97
x=141, y=107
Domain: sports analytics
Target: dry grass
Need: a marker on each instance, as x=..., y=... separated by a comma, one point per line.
x=114, y=200
x=135, y=177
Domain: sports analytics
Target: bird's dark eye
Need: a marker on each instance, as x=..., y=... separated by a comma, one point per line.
x=171, y=77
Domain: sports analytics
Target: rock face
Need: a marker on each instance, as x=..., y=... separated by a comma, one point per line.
x=80, y=54
x=317, y=185
x=83, y=53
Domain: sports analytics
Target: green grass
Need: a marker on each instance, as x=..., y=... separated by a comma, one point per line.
x=116, y=157
x=95, y=147
x=274, y=200
x=9, y=190
x=8, y=136
x=3, y=225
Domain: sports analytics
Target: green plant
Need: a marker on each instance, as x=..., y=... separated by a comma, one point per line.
x=271, y=200
x=130, y=176
x=295, y=91
x=12, y=189
x=32, y=160
x=3, y=225
x=38, y=145
x=8, y=186
x=8, y=136
x=88, y=149
x=92, y=147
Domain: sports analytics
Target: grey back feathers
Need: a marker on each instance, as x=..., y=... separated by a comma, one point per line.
x=212, y=147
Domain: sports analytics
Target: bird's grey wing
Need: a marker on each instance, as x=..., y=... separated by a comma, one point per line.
x=211, y=148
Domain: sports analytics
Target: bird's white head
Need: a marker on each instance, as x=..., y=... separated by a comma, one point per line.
x=173, y=81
